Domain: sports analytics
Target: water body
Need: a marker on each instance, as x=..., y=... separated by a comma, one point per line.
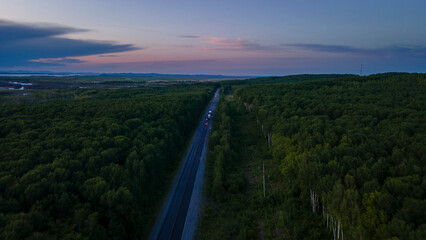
x=37, y=75
x=22, y=84
x=15, y=75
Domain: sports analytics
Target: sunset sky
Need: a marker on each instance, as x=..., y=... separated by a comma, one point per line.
x=230, y=37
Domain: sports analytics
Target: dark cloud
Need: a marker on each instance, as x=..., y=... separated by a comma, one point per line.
x=11, y=31
x=325, y=48
x=393, y=50
x=21, y=43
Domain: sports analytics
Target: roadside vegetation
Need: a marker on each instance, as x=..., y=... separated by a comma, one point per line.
x=344, y=159
x=237, y=206
x=91, y=164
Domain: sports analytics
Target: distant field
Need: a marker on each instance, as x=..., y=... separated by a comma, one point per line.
x=14, y=83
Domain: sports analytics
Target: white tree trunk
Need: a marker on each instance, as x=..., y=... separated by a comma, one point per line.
x=334, y=231
x=317, y=204
x=338, y=228
x=328, y=218
x=323, y=209
x=269, y=139
x=264, y=187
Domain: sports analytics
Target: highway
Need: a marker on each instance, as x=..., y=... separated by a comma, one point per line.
x=172, y=220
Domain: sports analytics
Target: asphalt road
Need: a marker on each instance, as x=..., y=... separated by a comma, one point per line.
x=172, y=219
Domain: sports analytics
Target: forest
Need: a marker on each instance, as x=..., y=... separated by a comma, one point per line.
x=349, y=150
x=91, y=164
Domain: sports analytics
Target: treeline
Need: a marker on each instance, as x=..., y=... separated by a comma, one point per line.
x=285, y=79
x=225, y=184
x=32, y=96
x=354, y=148
x=222, y=160
x=94, y=165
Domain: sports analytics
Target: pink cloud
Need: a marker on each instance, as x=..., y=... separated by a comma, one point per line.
x=238, y=44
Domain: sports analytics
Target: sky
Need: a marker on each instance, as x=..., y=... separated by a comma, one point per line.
x=229, y=37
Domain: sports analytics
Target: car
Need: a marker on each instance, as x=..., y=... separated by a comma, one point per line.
x=206, y=124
